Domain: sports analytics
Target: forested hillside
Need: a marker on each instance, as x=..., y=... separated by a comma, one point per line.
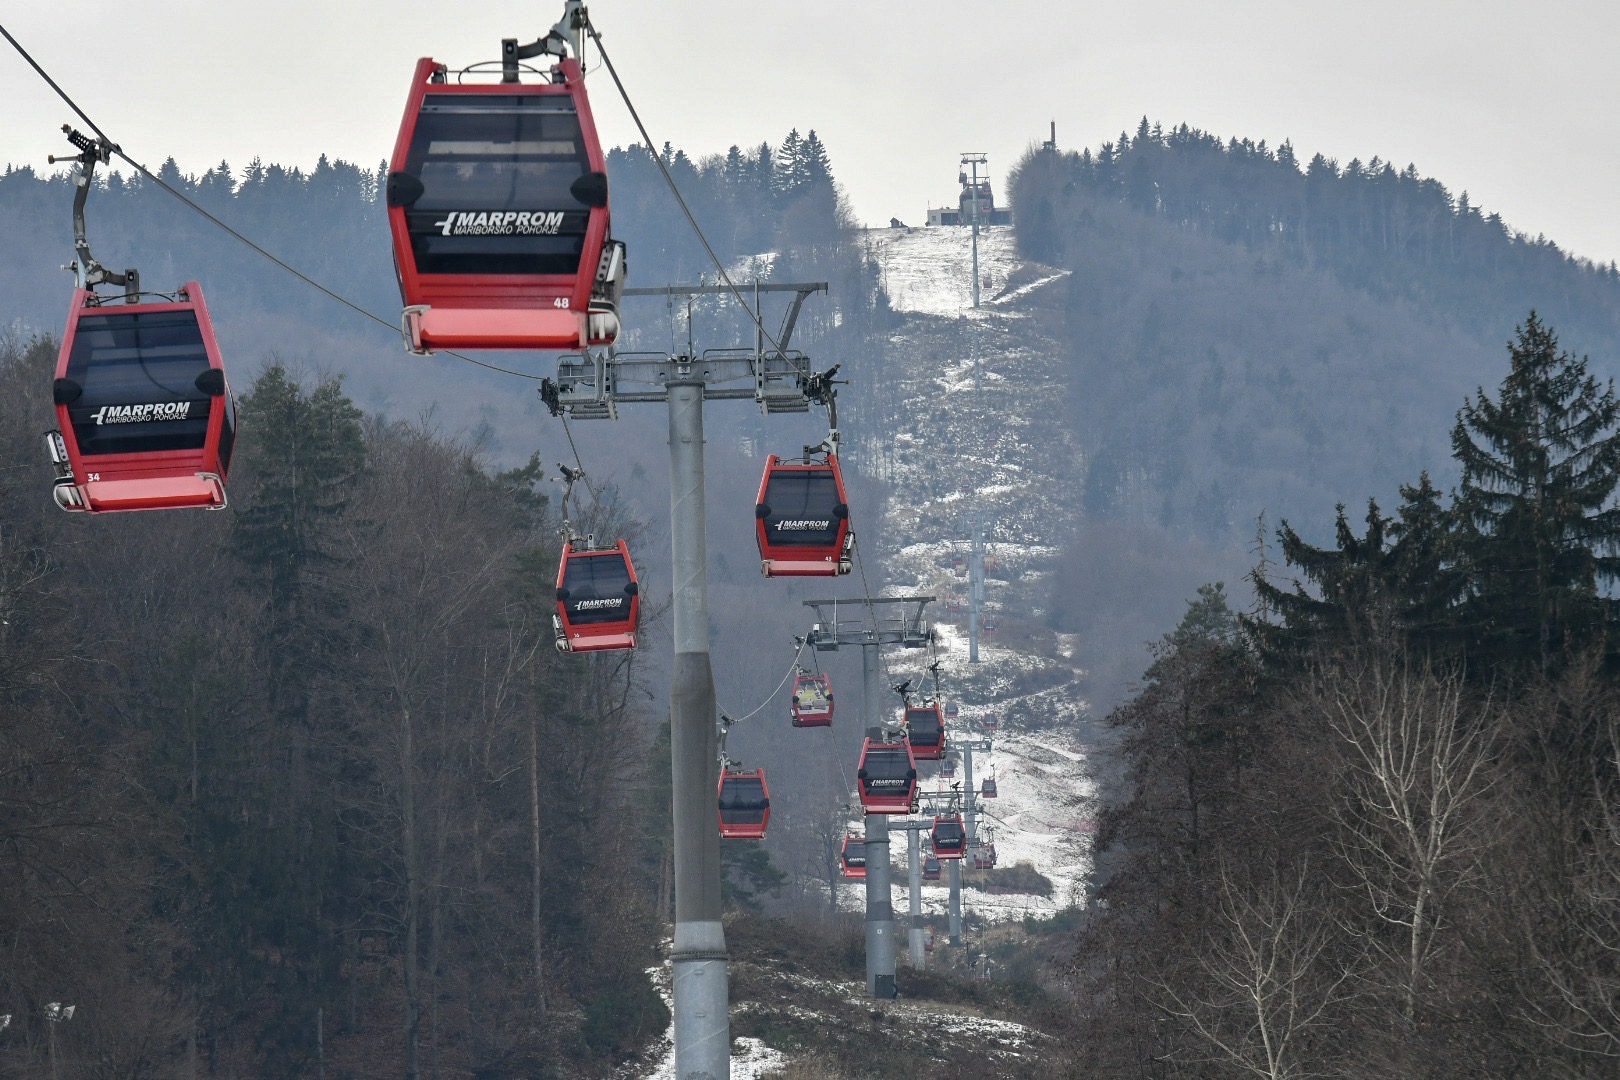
x=304, y=784
x=1250, y=333
x=1364, y=816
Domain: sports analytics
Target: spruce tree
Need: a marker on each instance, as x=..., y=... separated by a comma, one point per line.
x=1395, y=587
x=790, y=163
x=1539, y=531
x=1341, y=600
x=817, y=165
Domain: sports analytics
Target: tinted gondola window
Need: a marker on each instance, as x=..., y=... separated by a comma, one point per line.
x=802, y=505
x=924, y=726
x=496, y=173
x=950, y=836
x=138, y=371
x=742, y=800
x=596, y=588
x=888, y=770
x=855, y=853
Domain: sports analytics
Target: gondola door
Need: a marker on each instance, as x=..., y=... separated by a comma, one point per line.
x=147, y=420
x=744, y=804
x=812, y=704
x=887, y=777
x=802, y=519
x=598, y=599
x=498, y=205
x=925, y=731
x=949, y=837
x=852, y=857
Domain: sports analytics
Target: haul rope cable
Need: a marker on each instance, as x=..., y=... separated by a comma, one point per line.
x=658, y=159
x=724, y=276
x=793, y=668
x=393, y=328
x=647, y=139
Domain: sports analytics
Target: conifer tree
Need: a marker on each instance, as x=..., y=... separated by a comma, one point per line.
x=817, y=165
x=1394, y=587
x=790, y=163
x=1540, y=533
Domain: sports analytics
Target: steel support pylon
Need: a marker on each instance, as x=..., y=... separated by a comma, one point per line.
x=914, y=931
x=956, y=901
x=880, y=948
x=698, y=957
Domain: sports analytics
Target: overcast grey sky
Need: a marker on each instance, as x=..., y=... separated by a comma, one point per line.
x=1514, y=102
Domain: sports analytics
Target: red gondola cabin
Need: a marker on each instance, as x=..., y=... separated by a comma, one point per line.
x=812, y=701
x=950, y=837
x=888, y=777
x=852, y=857
x=147, y=421
x=930, y=869
x=498, y=204
x=987, y=790
x=925, y=730
x=951, y=710
x=598, y=599
x=802, y=519
x=745, y=805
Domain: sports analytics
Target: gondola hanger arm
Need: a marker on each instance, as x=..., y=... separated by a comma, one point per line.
x=561, y=41
x=89, y=272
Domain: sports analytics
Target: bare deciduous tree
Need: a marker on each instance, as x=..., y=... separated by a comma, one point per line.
x=1413, y=768
x=1573, y=936
x=1268, y=975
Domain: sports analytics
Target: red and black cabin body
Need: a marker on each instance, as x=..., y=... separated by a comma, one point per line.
x=984, y=856
x=147, y=420
x=852, y=857
x=951, y=710
x=925, y=730
x=930, y=869
x=498, y=205
x=812, y=701
x=598, y=599
x=949, y=836
x=802, y=519
x=887, y=777
x=987, y=790
x=745, y=805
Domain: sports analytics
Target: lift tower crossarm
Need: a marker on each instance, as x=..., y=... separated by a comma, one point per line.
x=857, y=622
x=592, y=385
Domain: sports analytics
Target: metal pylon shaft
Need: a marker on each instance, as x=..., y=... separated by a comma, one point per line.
x=698, y=957
x=914, y=933
x=880, y=948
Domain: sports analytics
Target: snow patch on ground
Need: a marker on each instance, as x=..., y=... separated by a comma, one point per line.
x=928, y=271
x=750, y=1058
